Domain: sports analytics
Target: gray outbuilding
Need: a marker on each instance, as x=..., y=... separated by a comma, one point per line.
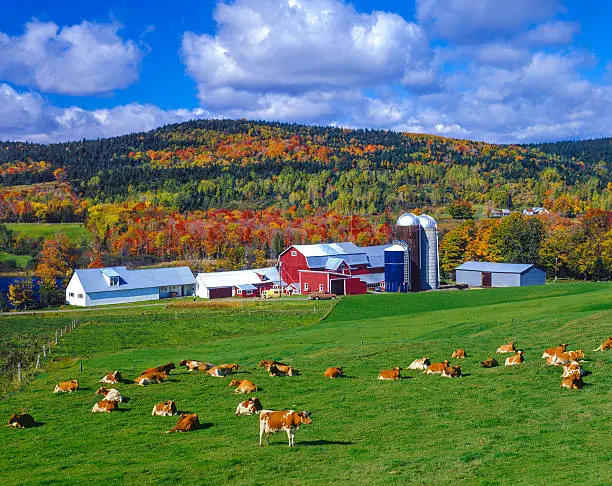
x=485, y=274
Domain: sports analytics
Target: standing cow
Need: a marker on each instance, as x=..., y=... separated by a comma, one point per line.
x=289, y=421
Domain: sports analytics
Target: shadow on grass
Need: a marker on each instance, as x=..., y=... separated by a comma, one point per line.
x=38, y=424
x=321, y=442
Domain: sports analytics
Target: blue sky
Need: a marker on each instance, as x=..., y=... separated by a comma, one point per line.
x=492, y=70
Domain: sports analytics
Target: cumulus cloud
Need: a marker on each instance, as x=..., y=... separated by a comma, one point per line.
x=82, y=59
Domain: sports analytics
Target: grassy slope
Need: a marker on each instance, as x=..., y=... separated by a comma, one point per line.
x=21, y=260
x=491, y=426
x=74, y=231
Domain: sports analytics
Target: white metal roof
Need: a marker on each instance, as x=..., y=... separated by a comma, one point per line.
x=372, y=278
x=408, y=219
x=328, y=249
x=92, y=279
x=495, y=267
x=239, y=277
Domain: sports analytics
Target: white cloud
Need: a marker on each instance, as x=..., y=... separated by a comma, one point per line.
x=82, y=59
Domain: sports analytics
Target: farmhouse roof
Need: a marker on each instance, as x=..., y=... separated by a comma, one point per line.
x=239, y=277
x=495, y=267
x=92, y=279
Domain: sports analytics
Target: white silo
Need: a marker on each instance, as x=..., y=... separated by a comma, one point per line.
x=430, y=267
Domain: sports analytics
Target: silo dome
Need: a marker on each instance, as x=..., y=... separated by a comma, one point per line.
x=427, y=222
x=408, y=219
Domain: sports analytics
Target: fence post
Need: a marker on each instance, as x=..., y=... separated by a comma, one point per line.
x=19, y=371
x=38, y=362
x=61, y=332
x=44, y=351
x=55, y=337
x=81, y=366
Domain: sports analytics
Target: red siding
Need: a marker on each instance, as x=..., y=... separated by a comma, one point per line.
x=313, y=279
x=355, y=286
x=291, y=265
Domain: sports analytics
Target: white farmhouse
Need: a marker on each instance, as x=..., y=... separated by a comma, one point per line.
x=118, y=285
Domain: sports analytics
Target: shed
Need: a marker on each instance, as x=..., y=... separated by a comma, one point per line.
x=487, y=274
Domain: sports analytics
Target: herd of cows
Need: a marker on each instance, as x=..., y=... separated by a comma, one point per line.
x=289, y=421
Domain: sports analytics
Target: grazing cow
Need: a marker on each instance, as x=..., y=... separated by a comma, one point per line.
x=67, y=386
x=459, y=353
x=186, y=423
x=21, y=421
x=165, y=409
x=282, y=370
x=192, y=365
x=289, y=421
x=607, y=344
x=390, y=375
x=489, y=363
x=552, y=351
x=111, y=378
x=249, y=407
x=111, y=394
x=334, y=372
x=571, y=367
x=516, y=359
x=451, y=372
x=573, y=381
x=105, y=406
x=151, y=378
x=419, y=364
x=217, y=371
x=243, y=386
x=506, y=348
x=436, y=368
x=160, y=369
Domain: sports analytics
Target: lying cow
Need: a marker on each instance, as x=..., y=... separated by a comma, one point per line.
x=390, y=375
x=193, y=365
x=267, y=363
x=165, y=409
x=186, y=423
x=111, y=394
x=451, y=372
x=564, y=358
x=105, y=406
x=516, y=359
x=553, y=351
x=243, y=386
x=249, y=407
x=289, y=421
x=419, y=364
x=437, y=368
x=489, y=363
x=506, y=348
x=67, y=386
x=282, y=370
x=334, y=372
x=573, y=381
x=459, y=353
x=151, y=378
x=571, y=367
x=21, y=421
x=217, y=371
x=111, y=378
x=607, y=344
x=160, y=369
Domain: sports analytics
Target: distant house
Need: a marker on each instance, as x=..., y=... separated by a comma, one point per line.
x=118, y=285
x=499, y=213
x=240, y=283
x=535, y=210
x=485, y=274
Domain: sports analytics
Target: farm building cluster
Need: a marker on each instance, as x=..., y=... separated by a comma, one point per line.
x=409, y=264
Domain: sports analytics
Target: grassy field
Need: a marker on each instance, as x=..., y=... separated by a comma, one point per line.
x=21, y=260
x=495, y=426
x=74, y=231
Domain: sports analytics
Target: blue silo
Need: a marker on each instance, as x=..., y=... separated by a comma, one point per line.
x=397, y=267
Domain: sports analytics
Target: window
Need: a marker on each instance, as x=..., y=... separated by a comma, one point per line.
x=293, y=253
x=71, y=294
x=114, y=281
x=79, y=296
x=306, y=287
x=320, y=287
x=239, y=292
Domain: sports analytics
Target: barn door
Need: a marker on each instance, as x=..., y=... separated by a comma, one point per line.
x=486, y=279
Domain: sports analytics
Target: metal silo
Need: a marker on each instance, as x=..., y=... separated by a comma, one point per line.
x=397, y=267
x=430, y=273
x=409, y=231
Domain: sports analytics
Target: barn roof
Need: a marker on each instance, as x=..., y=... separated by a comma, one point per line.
x=326, y=255
x=495, y=267
x=92, y=279
x=372, y=278
x=328, y=249
x=239, y=277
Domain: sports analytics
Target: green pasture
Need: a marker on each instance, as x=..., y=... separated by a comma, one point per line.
x=21, y=260
x=76, y=232
x=491, y=426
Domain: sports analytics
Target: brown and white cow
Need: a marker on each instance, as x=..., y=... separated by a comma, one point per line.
x=436, y=368
x=186, y=423
x=564, y=358
x=571, y=367
x=193, y=365
x=419, y=364
x=105, y=406
x=506, y=348
x=243, y=386
x=267, y=363
x=489, y=363
x=217, y=371
x=334, y=372
x=111, y=378
x=516, y=359
x=557, y=350
x=165, y=409
x=459, y=353
x=271, y=421
x=607, y=344
x=67, y=386
x=151, y=378
x=249, y=407
x=282, y=370
x=390, y=375
x=159, y=369
x=451, y=372
x=573, y=381
x=21, y=421
x=110, y=394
